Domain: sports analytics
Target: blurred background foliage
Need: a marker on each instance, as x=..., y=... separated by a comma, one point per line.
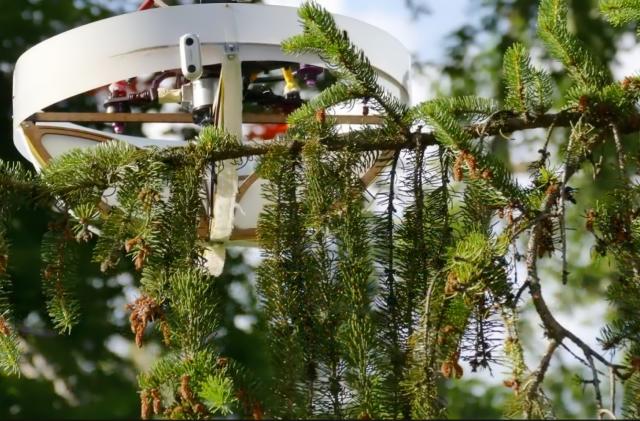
x=91, y=373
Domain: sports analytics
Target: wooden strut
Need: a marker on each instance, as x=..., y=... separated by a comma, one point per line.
x=35, y=134
x=248, y=118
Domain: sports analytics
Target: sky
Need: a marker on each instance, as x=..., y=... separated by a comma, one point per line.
x=424, y=37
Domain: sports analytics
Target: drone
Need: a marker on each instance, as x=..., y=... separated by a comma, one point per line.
x=216, y=63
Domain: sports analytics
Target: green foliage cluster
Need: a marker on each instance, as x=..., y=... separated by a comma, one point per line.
x=370, y=307
x=15, y=184
x=529, y=90
x=153, y=221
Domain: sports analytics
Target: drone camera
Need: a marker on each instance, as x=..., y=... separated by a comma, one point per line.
x=190, y=56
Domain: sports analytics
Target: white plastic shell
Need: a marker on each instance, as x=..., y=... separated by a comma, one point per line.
x=141, y=43
x=190, y=56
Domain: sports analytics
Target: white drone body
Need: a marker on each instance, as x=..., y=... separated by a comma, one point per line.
x=189, y=38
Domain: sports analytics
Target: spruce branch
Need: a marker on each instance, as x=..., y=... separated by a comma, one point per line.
x=622, y=167
x=553, y=328
x=322, y=36
x=529, y=91
x=620, y=12
x=553, y=30
x=282, y=281
x=532, y=389
x=517, y=77
x=9, y=348
x=18, y=188
x=444, y=270
x=59, y=275
x=496, y=126
x=453, y=136
x=390, y=313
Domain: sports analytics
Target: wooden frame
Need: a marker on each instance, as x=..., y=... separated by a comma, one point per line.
x=247, y=118
x=34, y=134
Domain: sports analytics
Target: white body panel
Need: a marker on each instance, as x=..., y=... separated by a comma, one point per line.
x=139, y=43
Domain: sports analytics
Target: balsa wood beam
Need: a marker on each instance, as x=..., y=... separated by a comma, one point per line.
x=250, y=118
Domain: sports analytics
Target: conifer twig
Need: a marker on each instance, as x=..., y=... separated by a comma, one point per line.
x=497, y=125
x=548, y=139
x=576, y=356
x=602, y=412
x=619, y=150
x=596, y=383
x=553, y=328
x=543, y=367
x=563, y=215
x=612, y=390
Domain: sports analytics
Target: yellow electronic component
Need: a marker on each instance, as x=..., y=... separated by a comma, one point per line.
x=291, y=84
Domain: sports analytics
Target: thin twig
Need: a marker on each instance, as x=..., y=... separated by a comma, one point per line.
x=524, y=286
x=529, y=223
x=602, y=412
x=562, y=219
x=577, y=357
x=619, y=151
x=548, y=139
x=596, y=383
x=612, y=390
x=542, y=368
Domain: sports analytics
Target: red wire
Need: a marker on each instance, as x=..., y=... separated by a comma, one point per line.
x=146, y=4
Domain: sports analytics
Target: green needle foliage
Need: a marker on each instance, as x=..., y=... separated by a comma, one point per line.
x=16, y=184
x=620, y=12
x=553, y=30
x=375, y=296
x=529, y=91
